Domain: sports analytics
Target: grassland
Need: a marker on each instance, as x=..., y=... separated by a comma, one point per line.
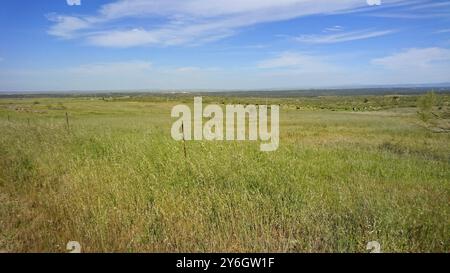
x=349, y=170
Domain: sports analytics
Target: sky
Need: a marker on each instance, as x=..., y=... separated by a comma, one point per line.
x=82, y=45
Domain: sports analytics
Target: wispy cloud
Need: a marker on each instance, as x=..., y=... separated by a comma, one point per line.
x=188, y=21
x=298, y=61
x=333, y=29
x=430, y=5
x=399, y=15
x=447, y=30
x=343, y=36
x=416, y=58
x=187, y=69
x=67, y=27
x=414, y=65
x=419, y=9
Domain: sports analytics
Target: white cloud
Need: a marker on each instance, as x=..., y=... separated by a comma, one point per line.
x=343, y=36
x=187, y=69
x=333, y=29
x=430, y=5
x=406, y=15
x=416, y=58
x=209, y=9
x=447, y=30
x=416, y=9
x=410, y=66
x=297, y=61
x=186, y=21
x=67, y=26
x=415, y=65
x=125, y=38
x=302, y=69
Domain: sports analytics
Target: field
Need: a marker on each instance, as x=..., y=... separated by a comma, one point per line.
x=349, y=170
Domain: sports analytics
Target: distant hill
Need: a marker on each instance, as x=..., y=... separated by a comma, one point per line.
x=338, y=91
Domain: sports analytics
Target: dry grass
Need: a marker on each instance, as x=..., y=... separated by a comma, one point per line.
x=118, y=182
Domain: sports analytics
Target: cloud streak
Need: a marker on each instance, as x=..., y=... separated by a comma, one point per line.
x=447, y=30
x=296, y=60
x=343, y=36
x=414, y=58
x=187, y=21
x=419, y=9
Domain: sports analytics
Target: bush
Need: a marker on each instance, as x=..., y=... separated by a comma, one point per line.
x=425, y=104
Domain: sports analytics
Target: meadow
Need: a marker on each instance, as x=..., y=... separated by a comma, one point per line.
x=349, y=170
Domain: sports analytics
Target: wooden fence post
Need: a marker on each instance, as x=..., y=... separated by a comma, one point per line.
x=67, y=122
x=184, y=140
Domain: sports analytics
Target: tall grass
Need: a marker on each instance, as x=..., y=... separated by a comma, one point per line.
x=118, y=182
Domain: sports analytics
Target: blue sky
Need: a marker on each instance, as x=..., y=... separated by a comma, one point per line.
x=52, y=45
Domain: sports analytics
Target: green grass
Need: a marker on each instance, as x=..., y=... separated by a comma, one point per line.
x=118, y=182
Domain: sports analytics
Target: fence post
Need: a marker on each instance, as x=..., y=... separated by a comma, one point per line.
x=67, y=122
x=184, y=141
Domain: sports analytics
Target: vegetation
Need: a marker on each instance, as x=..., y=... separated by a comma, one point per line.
x=349, y=170
x=432, y=111
x=425, y=104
